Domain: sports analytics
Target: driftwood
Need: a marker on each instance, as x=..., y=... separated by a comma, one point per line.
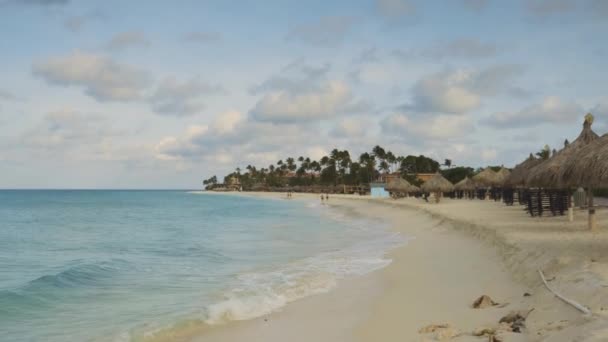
x=578, y=306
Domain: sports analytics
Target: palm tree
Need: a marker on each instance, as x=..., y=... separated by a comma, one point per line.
x=291, y=164
x=545, y=153
x=391, y=159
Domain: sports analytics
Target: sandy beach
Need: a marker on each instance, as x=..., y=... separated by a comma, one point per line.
x=460, y=250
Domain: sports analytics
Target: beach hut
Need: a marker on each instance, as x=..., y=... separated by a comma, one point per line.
x=437, y=185
x=588, y=167
x=398, y=186
x=546, y=180
x=465, y=187
x=547, y=174
x=518, y=175
x=485, y=181
x=503, y=174
x=487, y=178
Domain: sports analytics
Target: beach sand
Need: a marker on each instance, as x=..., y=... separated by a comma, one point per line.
x=461, y=249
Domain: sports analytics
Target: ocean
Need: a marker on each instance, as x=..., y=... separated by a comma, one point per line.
x=80, y=265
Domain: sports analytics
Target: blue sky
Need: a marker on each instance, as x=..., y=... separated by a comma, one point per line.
x=158, y=94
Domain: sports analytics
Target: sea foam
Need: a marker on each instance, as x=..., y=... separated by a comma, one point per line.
x=255, y=294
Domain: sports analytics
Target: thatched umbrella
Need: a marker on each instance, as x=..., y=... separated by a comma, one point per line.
x=547, y=174
x=588, y=167
x=398, y=185
x=466, y=184
x=437, y=185
x=520, y=171
x=487, y=178
x=503, y=175
x=414, y=188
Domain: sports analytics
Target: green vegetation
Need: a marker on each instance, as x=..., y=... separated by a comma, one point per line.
x=339, y=167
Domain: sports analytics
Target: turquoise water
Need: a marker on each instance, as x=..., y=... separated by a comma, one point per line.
x=121, y=265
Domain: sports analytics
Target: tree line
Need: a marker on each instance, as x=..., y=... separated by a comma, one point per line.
x=340, y=167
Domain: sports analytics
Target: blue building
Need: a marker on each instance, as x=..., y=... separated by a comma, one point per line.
x=377, y=190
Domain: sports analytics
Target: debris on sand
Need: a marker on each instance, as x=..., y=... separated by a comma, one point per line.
x=484, y=302
x=442, y=332
x=432, y=328
x=516, y=320
x=483, y=331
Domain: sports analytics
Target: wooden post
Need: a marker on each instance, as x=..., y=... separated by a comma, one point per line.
x=570, y=209
x=592, y=223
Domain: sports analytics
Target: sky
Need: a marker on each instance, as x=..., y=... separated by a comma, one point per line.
x=162, y=94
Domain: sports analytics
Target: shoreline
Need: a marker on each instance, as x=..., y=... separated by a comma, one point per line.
x=471, y=248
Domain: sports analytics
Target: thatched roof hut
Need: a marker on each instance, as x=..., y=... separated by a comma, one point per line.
x=466, y=184
x=414, y=188
x=398, y=185
x=503, y=175
x=547, y=174
x=487, y=178
x=588, y=167
x=520, y=171
x=437, y=183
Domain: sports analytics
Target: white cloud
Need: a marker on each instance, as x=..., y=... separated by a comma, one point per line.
x=489, y=154
x=333, y=99
x=175, y=98
x=460, y=91
x=352, y=128
x=327, y=32
x=67, y=129
x=101, y=77
x=125, y=40
x=316, y=152
x=199, y=141
x=418, y=129
x=236, y=134
x=551, y=110
x=227, y=122
x=445, y=93
x=295, y=77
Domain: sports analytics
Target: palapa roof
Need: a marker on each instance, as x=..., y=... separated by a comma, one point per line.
x=414, y=188
x=503, y=174
x=548, y=173
x=466, y=184
x=520, y=171
x=399, y=184
x=487, y=177
x=588, y=166
x=437, y=183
